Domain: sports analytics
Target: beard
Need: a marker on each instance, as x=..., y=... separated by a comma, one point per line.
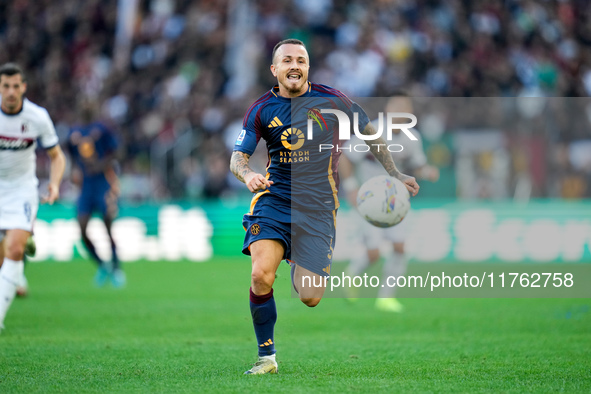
x=11, y=104
x=294, y=87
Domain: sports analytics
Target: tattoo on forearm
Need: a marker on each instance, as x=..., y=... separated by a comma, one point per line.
x=378, y=148
x=239, y=165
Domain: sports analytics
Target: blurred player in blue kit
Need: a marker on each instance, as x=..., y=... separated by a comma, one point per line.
x=293, y=218
x=22, y=124
x=357, y=168
x=93, y=148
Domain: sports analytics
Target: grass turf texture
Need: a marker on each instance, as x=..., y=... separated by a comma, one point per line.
x=185, y=327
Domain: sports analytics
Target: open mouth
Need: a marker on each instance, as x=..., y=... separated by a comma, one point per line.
x=294, y=77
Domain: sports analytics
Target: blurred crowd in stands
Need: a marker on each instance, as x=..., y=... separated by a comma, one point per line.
x=194, y=66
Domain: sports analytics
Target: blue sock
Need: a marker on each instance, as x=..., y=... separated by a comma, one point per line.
x=115, y=257
x=90, y=247
x=264, y=316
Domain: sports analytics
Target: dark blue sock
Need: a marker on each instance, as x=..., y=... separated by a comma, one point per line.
x=115, y=257
x=264, y=316
x=90, y=247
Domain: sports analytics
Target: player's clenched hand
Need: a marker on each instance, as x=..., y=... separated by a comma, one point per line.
x=256, y=182
x=53, y=192
x=411, y=184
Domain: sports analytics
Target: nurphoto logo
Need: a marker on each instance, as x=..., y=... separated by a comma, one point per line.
x=345, y=130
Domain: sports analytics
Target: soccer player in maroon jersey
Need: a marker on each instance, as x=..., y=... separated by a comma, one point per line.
x=287, y=222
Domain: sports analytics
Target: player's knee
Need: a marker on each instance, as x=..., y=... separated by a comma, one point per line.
x=15, y=251
x=311, y=302
x=262, y=278
x=373, y=255
x=399, y=248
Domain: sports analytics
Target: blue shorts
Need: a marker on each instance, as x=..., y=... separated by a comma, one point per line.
x=308, y=236
x=97, y=197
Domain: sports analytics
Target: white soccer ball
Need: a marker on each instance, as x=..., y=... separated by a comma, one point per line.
x=383, y=201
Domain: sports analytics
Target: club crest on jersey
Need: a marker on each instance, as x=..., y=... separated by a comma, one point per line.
x=314, y=114
x=24, y=128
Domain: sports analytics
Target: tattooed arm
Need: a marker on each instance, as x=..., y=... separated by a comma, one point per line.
x=240, y=168
x=378, y=148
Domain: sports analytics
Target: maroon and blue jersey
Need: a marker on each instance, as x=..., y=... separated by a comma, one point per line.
x=302, y=163
x=88, y=145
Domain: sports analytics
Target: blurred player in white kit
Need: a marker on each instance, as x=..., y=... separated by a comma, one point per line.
x=359, y=168
x=22, y=123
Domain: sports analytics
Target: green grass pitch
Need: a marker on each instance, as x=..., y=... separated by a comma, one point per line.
x=185, y=327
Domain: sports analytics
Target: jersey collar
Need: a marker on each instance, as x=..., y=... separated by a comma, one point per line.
x=16, y=113
x=275, y=92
